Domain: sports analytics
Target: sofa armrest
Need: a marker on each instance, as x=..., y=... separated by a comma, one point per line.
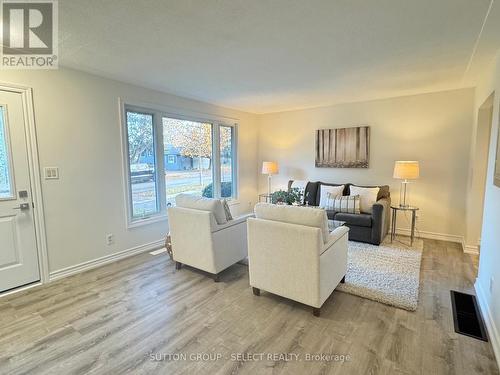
x=381, y=220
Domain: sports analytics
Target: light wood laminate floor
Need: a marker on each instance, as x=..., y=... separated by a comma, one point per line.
x=111, y=320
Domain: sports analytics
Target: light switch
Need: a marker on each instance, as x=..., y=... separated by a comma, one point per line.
x=51, y=173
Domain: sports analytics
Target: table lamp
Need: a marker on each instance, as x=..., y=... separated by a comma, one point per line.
x=405, y=170
x=269, y=168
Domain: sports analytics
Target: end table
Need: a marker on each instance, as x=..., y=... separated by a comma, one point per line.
x=413, y=211
x=265, y=198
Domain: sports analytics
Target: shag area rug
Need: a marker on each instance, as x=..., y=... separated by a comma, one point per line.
x=389, y=273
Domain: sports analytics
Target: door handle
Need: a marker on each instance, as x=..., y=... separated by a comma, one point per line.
x=23, y=207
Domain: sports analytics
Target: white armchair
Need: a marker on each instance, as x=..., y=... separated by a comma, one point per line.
x=202, y=238
x=291, y=253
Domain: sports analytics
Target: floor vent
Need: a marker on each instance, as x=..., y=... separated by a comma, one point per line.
x=466, y=316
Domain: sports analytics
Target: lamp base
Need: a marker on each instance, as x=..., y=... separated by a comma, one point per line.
x=404, y=195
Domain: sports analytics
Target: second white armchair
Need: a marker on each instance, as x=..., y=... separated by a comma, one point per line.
x=291, y=253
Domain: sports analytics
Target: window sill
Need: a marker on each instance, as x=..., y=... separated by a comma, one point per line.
x=147, y=221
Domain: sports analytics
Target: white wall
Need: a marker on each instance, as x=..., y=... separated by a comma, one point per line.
x=77, y=120
x=489, y=259
x=434, y=129
x=477, y=174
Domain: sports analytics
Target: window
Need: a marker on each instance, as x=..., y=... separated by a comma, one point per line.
x=6, y=183
x=170, y=154
x=193, y=141
x=142, y=164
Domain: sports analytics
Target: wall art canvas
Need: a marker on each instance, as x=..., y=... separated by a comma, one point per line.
x=343, y=147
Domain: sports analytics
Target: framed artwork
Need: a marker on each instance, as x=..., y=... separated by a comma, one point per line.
x=343, y=147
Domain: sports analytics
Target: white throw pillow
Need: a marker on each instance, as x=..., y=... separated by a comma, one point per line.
x=349, y=204
x=227, y=211
x=335, y=191
x=203, y=204
x=368, y=197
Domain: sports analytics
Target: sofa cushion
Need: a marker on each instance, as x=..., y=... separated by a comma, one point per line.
x=308, y=216
x=326, y=192
x=331, y=214
x=384, y=191
x=345, y=203
x=367, y=196
x=360, y=220
x=203, y=204
x=319, y=184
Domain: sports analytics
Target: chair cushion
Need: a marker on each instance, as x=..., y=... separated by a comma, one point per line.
x=203, y=204
x=227, y=210
x=360, y=220
x=307, y=216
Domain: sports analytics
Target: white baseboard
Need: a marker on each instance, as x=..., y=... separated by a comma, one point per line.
x=470, y=249
x=431, y=235
x=64, y=272
x=493, y=333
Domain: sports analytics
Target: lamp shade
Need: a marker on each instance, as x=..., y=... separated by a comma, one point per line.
x=406, y=170
x=270, y=167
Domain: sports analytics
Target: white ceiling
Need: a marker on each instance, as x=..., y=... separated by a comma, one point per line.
x=272, y=55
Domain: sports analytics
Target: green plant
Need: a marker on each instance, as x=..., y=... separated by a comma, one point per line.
x=226, y=190
x=286, y=197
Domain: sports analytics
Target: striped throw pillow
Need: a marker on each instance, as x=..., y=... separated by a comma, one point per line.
x=349, y=204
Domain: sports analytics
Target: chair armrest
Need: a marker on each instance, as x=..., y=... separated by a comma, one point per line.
x=230, y=223
x=334, y=236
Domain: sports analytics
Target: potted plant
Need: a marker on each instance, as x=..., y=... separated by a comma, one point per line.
x=286, y=197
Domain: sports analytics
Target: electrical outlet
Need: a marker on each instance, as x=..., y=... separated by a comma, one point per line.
x=110, y=239
x=491, y=285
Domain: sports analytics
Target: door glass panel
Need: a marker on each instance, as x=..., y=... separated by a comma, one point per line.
x=142, y=163
x=226, y=161
x=6, y=189
x=187, y=149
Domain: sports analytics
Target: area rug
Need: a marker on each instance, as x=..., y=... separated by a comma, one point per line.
x=389, y=273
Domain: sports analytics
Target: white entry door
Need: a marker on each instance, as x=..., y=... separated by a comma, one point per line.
x=18, y=252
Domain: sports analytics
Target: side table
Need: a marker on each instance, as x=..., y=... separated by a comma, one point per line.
x=413, y=211
x=265, y=198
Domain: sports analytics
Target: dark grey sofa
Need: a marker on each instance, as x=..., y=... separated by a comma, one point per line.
x=371, y=228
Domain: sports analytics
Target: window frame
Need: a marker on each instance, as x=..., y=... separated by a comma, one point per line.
x=158, y=113
x=10, y=156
